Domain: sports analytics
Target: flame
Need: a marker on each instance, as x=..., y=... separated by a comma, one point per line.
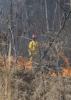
x=66, y=67
x=23, y=63
x=26, y=64
x=66, y=60
x=66, y=72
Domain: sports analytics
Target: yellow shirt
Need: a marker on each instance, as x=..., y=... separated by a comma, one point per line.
x=33, y=46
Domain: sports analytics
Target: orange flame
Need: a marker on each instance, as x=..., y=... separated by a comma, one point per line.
x=66, y=72
x=28, y=65
x=23, y=63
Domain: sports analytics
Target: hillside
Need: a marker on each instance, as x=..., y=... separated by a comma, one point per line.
x=46, y=75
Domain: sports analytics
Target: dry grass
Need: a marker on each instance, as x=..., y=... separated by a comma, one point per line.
x=26, y=85
x=19, y=84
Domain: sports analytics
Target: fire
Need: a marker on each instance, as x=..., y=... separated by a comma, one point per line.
x=20, y=63
x=26, y=64
x=23, y=63
x=66, y=72
x=66, y=67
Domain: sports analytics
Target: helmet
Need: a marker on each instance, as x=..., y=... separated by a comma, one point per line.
x=34, y=36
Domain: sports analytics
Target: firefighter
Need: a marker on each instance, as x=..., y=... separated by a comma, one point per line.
x=33, y=47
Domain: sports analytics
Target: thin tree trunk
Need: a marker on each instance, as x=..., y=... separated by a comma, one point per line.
x=46, y=15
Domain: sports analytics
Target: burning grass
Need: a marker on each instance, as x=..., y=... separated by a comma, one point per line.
x=22, y=63
x=65, y=72
x=23, y=84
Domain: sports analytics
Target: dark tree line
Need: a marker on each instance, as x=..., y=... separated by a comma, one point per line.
x=20, y=17
x=30, y=15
